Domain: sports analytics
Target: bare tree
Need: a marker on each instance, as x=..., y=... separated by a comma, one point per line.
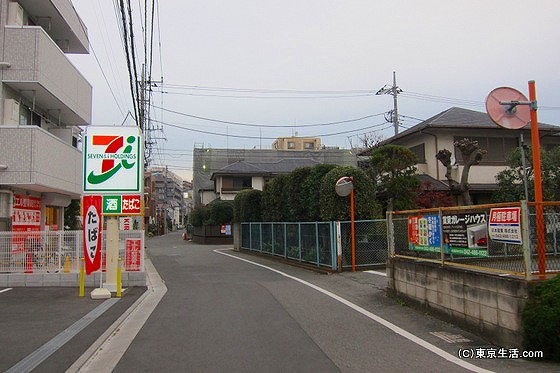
x=366, y=141
x=471, y=154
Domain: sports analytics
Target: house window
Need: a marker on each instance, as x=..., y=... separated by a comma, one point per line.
x=419, y=152
x=236, y=183
x=309, y=145
x=291, y=145
x=497, y=149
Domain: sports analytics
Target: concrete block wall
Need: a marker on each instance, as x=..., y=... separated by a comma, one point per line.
x=483, y=303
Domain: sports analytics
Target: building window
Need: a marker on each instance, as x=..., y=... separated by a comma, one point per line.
x=309, y=145
x=236, y=183
x=420, y=152
x=291, y=145
x=497, y=149
x=29, y=117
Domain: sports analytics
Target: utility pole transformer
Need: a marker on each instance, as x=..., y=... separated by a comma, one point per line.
x=394, y=91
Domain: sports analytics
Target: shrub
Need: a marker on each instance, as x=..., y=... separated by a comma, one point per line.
x=334, y=207
x=219, y=212
x=274, y=199
x=310, y=191
x=541, y=319
x=296, y=210
x=199, y=215
x=247, y=206
x=215, y=213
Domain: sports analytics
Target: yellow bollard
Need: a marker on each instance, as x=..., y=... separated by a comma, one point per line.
x=119, y=285
x=82, y=279
x=66, y=268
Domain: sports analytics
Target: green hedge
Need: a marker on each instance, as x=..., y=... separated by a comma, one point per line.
x=334, y=207
x=541, y=319
x=247, y=206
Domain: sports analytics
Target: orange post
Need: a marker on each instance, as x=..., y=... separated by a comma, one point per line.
x=352, y=231
x=535, y=143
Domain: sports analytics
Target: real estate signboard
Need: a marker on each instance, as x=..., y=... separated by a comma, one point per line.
x=424, y=233
x=465, y=234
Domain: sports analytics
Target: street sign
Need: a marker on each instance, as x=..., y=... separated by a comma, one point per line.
x=126, y=205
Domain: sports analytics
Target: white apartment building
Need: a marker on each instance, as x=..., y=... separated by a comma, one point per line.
x=43, y=100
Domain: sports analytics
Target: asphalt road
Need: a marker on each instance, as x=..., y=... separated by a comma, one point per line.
x=226, y=311
x=212, y=309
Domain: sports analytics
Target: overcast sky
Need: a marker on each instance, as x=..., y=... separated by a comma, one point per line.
x=286, y=65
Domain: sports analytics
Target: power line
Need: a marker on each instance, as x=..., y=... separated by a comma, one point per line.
x=264, y=91
x=266, y=97
x=265, y=138
x=442, y=99
x=267, y=125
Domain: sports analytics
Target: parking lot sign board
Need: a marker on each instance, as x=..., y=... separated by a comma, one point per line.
x=504, y=225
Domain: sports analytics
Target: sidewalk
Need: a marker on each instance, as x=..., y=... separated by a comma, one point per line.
x=36, y=323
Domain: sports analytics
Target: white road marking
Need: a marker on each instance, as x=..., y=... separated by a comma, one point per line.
x=35, y=358
x=107, y=351
x=377, y=273
x=5, y=290
x=398, y=330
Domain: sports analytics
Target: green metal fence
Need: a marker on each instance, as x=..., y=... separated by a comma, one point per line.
x=316, y=242
x=371, y=243
x=311, y=243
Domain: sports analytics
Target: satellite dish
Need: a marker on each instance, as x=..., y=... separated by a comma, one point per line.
x=508, y=108
x=344, y=186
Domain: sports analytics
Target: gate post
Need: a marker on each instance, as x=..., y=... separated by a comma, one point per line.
x=338, y=246
x=390, y=233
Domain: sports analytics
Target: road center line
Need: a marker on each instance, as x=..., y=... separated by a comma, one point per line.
x=411, y=337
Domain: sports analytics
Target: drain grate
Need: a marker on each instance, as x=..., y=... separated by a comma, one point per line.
x=451, y=338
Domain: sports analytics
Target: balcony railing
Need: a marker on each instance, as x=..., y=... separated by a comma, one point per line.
x=42, y=73
x=38, y=160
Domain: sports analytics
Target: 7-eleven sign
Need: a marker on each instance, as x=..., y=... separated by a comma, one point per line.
x=113, y=160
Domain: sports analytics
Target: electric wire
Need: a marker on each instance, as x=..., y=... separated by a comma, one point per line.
x=268, y=138
x=268, y=125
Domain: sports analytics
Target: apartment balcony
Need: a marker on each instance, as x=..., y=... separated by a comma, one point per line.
x=36, y=68
x=36, y=160
x=61, y=20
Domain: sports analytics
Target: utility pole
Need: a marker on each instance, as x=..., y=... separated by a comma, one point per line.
x=394, y=91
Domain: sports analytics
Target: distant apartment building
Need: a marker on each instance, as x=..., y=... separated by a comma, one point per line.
x=165, y=199
x=43, y=101
x=297, y=143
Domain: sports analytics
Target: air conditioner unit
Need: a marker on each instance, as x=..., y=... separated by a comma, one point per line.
x=15, y=14
x=11, y=112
